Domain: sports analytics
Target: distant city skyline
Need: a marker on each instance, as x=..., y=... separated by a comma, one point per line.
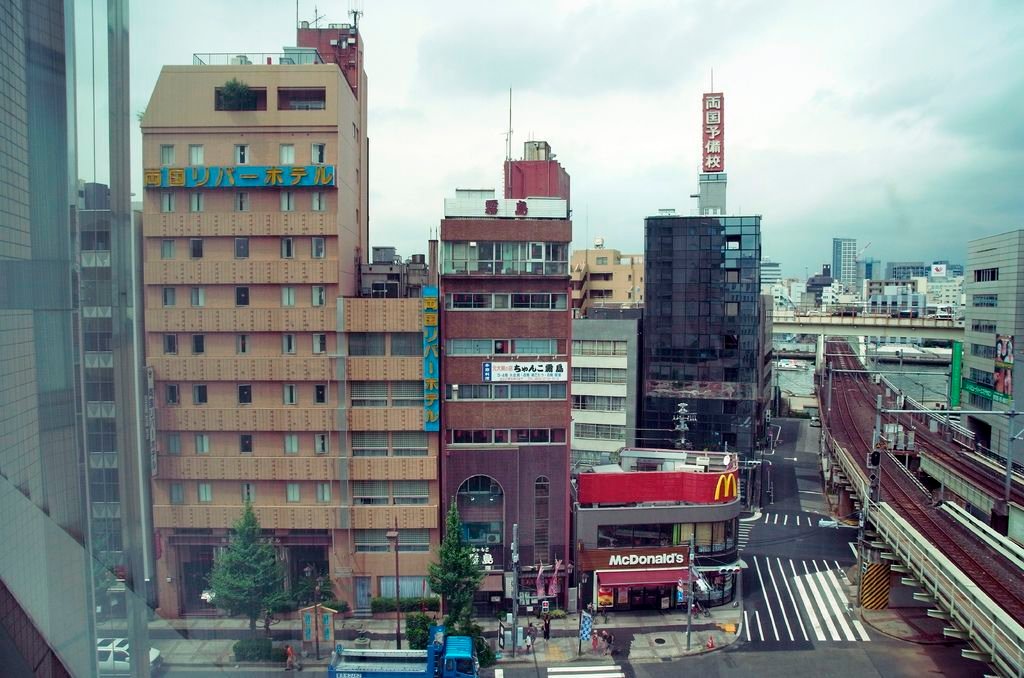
x=906, y=137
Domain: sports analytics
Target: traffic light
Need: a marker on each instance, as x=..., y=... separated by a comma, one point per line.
x=874, y=457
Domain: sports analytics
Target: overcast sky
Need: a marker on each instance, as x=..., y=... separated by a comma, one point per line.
x=900, y=123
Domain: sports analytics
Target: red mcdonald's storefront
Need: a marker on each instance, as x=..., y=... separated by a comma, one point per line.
x=636, y=578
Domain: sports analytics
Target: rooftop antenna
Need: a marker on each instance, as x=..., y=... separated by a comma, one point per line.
x=712, y=78
x=508, y=150
x=356, y=13
x=316, y=16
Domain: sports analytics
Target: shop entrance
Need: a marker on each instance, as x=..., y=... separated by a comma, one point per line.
x=638, y=589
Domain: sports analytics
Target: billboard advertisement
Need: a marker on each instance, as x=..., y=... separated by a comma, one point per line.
x=239, y=176
x=545, y=371
x=693, y=487
x=713, y=126
x=1004, y=365
x=938, y=270
x=431, y=361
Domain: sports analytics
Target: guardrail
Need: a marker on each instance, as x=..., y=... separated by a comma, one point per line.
x=967, y=605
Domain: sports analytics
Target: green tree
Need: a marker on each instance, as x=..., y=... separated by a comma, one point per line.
x=235, y=95
x=456, y=575
x=247, y=578
x=417, y=630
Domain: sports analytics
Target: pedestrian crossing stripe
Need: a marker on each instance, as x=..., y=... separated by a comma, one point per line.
x=598, y=671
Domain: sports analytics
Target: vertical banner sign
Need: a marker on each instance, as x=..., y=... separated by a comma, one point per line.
x=431, y=361
x=713, y=123
x=956, y=374
x=1004, y=366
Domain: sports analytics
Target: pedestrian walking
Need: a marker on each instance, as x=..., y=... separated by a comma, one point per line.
x=609, y=638
x=289, y=658
x=547, y=627
x=529, y=642
x=594, y=639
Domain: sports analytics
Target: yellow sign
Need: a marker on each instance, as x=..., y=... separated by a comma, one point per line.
x=726, y=488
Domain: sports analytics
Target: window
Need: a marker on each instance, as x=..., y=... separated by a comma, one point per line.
x=287, y=201
x=369, y=393
x=370, y=492
x=369, y=443
x=290, y=395
x=245, y=394
x=241, y=344
x=245, y=443
x=599, y=375
x=985, y=326
x=319, y=154
x=166, y=154
x=195, y=154
x=170, y=343
x=291, y=443
x=241, y=296
x=407, y=394
x=241, y=154
x=321, y=443
x=195, y=248
x=301, y=98
x=409, y=443
x=598, y=403
x=241, y=248
x=198, y=344
x=598, y=347
x=407, y=343
x=732, y=275
x=983, y=351
x=202, y=443
x=166, y=202
x=318, y=248
x=320, y=394
x=177, y=493
x=248, y=492
x=195, y=202
x=319, y=294
x=319, y=343
x=286, y=155
x=166, y=249
x=174, y=443
x=409, y=491
x=171, y=394
x=287, y=248
x=319, y=201
x=535, y=346
x=287, y=296
x=323, y=492
x=205, y=491
x=367, y=343
x=985, y=300
x=199, y=394
x=288, y=343
x=372, y=541
x=168, y=296
x=599, y=431
x=602, y=261
x=198, y=296
x=541, y=496
x=986, y=275
x=732, y=308
x=242, y=201
x=292, y=492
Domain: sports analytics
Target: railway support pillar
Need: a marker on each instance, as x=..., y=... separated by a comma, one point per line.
x=819, y=354
x=875, y=579
x=845, y=505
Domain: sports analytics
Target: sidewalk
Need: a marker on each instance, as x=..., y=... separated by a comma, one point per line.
x=645, y=636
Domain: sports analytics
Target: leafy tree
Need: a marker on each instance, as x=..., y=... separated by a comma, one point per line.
x=235, y=95
x=456, y=575
x=417, y=630
x=247, y=578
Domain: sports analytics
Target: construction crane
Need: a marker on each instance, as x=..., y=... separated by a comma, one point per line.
x=856, y=257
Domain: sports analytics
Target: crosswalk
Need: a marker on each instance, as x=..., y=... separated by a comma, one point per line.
x=593, y=671
x=744, y=534
x=790, y=519
x=800, y=601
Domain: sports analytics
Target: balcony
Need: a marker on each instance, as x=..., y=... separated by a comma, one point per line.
x=247, y=468
x=384, y=369
x=385, y=419
x=208, y=224
x=192, y=368
x=241, y=319
x=322, y=517
x=241, y=272
x=383, y=517
x=394, y=468
x=245, y=418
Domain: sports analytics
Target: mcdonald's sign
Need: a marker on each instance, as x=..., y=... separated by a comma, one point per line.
x=725, y=488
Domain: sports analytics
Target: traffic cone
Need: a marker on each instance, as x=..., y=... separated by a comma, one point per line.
x=710, y=644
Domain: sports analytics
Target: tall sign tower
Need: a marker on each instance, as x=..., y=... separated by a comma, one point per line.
x=711, y=198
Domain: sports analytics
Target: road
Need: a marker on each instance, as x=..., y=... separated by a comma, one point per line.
x=795, y=597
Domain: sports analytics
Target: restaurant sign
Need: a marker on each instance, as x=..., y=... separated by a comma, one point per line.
x=634, y=559
x=509, y=371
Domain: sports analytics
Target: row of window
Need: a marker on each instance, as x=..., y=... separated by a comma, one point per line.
x=505, y=391
x=204, y=492
x=598, y=347
x=376, y=541
x=363, y=394
x=599, y=403
x=506, y=301
x=983, y=350
x=986, y=326
x=502, y=436
x=200, y=394
x=197, y=201
x=201, y=443
x=385, y=492
x=374, y=343
x=984, y=300
x=317, y=248
x=707, y=537
x=242, y=156
x=197, y=296
x=986, y=275
x=243, y=343
x=599, y=375
x=505, y=258
x=384, y=443
x=502, y=347
x=982, y=377
x=599, y=431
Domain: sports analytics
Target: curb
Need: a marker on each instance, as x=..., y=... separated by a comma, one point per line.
x=945, y=641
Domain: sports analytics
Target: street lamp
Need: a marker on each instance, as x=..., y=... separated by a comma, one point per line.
x=392, y=536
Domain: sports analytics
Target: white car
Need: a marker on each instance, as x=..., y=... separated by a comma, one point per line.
x=113, y=657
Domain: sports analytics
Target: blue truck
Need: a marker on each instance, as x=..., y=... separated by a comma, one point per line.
x=445, y=657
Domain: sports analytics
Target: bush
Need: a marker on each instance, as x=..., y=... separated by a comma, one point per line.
x=417, y=630
x=338, y=606
x=408, y=604
x=278, y=654
x=253, y=650
x=557, y=614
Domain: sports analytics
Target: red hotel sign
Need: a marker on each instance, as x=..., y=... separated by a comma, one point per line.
x=642, y=486
x=634, y=559
x=713, y=123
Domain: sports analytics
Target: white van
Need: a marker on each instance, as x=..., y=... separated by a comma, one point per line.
x=113, y=657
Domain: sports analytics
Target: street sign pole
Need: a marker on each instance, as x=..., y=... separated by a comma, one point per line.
x=689, y=593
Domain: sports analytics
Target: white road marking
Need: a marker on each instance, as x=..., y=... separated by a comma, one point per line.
x=791, y=597
x=757, y=616
x=778, y=596
x=768, y=605
x=810, y=491
x=596, y=671
x=833, y=633
x=853, y=547
x=499, y=673
x=746, y=624
x=785, y=519
x=798, y=521
x=840, y=611
x=834, y=578
x=766, y=517
x=807, y=603
x=776, y=521
x=860, y=629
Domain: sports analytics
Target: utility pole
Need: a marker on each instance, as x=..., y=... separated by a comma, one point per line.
x=828, y=407
x=515, y=586
x=689, y=593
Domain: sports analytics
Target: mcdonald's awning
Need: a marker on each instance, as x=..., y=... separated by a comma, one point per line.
x=493, y=583
x=640, y=577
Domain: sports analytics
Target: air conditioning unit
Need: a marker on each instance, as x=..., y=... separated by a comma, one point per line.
x=334, y=42
x=493, y=538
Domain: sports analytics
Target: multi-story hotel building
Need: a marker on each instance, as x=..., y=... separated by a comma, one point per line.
x=506, y=330
x=253, y=233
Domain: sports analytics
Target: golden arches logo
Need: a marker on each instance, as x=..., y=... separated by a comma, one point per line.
x=726, y=488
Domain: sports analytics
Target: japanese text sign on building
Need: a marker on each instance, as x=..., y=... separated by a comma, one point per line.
x=431, y=361
x=553, y=371
x=240, y=176
x=713, y=125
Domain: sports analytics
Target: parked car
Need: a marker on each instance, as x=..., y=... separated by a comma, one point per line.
x=825, y=522
x=113, y=656
x=816, y=422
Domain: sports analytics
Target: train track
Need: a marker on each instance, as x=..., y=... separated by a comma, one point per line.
x=855, y=396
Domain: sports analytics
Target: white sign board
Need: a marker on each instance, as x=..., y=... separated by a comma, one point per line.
x=510, y=371
x=527, y=208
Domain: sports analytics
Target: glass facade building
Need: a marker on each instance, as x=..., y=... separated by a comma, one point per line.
x=705, y=337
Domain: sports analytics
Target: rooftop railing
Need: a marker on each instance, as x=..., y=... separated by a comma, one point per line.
x=304, y=56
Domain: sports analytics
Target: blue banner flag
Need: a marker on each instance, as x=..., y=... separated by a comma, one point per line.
x=586, y=624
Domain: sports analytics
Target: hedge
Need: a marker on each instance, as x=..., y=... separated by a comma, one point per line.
x=258, y=650
x=408, y=604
